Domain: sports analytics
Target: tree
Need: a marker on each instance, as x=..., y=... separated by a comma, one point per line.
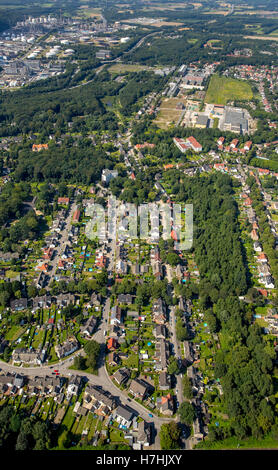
x=187, y=388
x=173, y=367
x=79, y=363
x=169, y=436
x=187, y=413
x=22, y=442
x=173, y=259
x=92, y=349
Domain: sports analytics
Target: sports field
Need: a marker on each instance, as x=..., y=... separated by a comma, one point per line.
x=221, y=90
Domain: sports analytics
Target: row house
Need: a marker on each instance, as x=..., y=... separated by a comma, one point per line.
x=164, y=381
x=116, y=315
x=162, y=354
x=45, y=385
x=99, y=401
x=26, y=356
x=12, y=382
x=74, y=386
x=160, y=332
x=159, y=311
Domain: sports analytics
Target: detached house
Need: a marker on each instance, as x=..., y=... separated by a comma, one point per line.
x=67, y=348
x=139, y=388
x=121, y=376
x=89, y=327
x=166, y=405
x=18, y=304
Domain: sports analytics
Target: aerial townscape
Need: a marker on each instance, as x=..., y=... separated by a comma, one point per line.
x=109, y=339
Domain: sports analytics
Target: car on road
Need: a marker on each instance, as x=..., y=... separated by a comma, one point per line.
x=150, y=415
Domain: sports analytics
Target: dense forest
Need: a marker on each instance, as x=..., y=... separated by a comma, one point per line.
x=244, y=364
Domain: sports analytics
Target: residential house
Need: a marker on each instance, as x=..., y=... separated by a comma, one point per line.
x=112, y=343
x=166, y=405
x=63, y=200
x=187, y=352
x=125, y=299
x=41, y=280
x=257, y=246
x=98, y=400
x=162, y=354
x=160, y=332
x=25, y=356
x=164, y=381
x=76, y=216
x=121, y=376
x=116, y=315
x=44, y=301
x=113, y=359
x=108, y=175
x=67, y=348
x=140, y=388
x=197, y=431
x=74, y=385
x=18, y=304
x=159, y=311
x=64, y=300
x=39, y=147
x=123, y=415
x=89, y=327
x=144, y=433
x=254, y=235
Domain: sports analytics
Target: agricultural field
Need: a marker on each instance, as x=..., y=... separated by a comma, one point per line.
x=221, y=90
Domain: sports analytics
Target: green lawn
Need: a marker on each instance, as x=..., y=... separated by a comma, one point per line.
x=223, y=89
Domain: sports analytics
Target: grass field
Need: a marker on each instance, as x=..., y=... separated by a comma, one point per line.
x=122, y=68
x=222, y=89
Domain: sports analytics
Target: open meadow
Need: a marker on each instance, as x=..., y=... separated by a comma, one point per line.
x=221, y=90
